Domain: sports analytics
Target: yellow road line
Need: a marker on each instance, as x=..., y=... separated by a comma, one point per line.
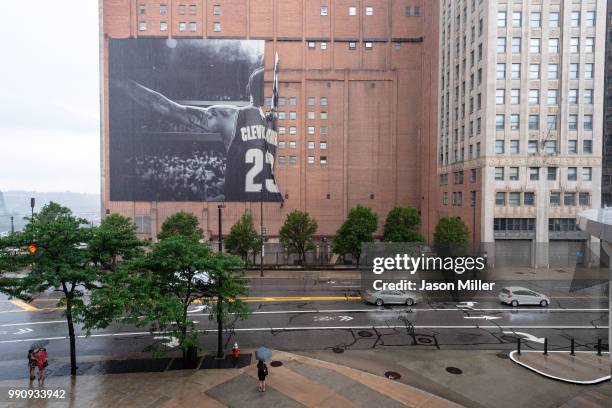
x=25, y=306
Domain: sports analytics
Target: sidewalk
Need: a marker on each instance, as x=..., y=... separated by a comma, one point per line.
x=299, y=382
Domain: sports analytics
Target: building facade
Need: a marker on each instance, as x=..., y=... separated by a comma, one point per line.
x=520, y=124
x=357, y=114
x=606, y=179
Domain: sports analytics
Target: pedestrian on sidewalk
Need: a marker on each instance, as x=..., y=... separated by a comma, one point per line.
x=32, y=364
x=41, y=362
x=262, y=373
x=235, y=354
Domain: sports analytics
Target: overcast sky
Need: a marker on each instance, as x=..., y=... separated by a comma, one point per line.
x=49, y=96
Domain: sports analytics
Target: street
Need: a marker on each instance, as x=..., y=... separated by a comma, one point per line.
x=308, y=314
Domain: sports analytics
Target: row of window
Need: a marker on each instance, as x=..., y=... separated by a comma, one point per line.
x=528, y=224
x=409, y=11
x=292, y=160
x=535, y=19
x=513, y=199
x=553, y=71
x=352, y=45
x=182, y=26
x=550, y=146
x=292, y=101
x=182, y=9
x=552, y=96
x=311, y=130
x=293, y=144
x=457, y=177
x=534, y=122
x=551, y=173
x=535, y=45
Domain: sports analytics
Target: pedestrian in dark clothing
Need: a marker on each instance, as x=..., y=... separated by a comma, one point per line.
x=32, y=364
x=262, y=373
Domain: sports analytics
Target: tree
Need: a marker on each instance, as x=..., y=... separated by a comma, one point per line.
x=296, y=233
x=114, y=240
x=402, y=225
x=243, y=239
x=180, y=223
x=451, y=236
x=359, y=227
x=60, y=261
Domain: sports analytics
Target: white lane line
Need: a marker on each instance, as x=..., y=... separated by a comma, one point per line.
x=28, y=323
x=266, y=329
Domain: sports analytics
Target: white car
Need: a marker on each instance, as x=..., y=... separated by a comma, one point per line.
x=398, y=297
x=518, y=295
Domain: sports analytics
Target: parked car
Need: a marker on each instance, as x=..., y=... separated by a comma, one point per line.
x=397, y=297
x=518, y=295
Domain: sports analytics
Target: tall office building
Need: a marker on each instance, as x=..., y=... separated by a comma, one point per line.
x=357, y=107
x=520, y=124
x=606, y=178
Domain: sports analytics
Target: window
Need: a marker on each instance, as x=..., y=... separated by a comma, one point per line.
x=500, y=199
x=534, y=96
x=352, y=11
x=589, y=45
x=369, y=11
x=514, y=174
x=587, y=147
x=163, y=26
x=216, y=10
x=445, y=198
x=323, y=101
x=501, y=71
x=555, y=199
x=534, y=122
x=499, y=173
x=575, y=45
x=281, y=101
x=590, y=19
x=324, y=130
x=292, y=115
x=536, y=19
x=514, y=199
x=281, y=160
x=143, y=224
x=574, y=71
x=323, y=45
x=323, y=115
x=569, y=199
x=528, y=199
x=515, y=96
x=532, y=146
x=217, y=28
x=572, y=96
x=514, y=224
x=292, y=130
x=516, y=45
x=292, y=160
x=368, y=45
x=282, y=115
x=551, y=122
x=142, y=26
x=588, y=122
x=281, y=144
x=311, y=130
x=142, y=9
x=552, y=97
x=501, y=18
x=472, y=175
x=517, y=19
x=550, y=146
x=181, y=9
x=515, y=146
x=572, y=173
x=312, y=45
x=575, y=19
x=352, y=45
x=584, y=199
x=553, y=71
x=323, y=10
x=553, y=45
x=192, y=9
x=293, y=101
x=292, y=144
x=588, y=96
x=587, y=174
x=562, y=224
x=572, y=147
x=281, y=130
x=417, y=11
x=588, y=71
x=516, y=71
x=553, y=19
x=515, y=121
x=500, y=96
x=501, y=45
x=534, y=173
x=534, y=45
x=534, y=71
x=311, y=115
x=311, y=101
x=323, y=145
x=323, y=160
x=572, y=122
x=163, y=9
x=193, y=26
x=499, y=122
x=311, y=159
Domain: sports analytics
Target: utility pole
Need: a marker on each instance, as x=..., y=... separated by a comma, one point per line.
x=220, y=207
x=12, y=225
x=32, y=203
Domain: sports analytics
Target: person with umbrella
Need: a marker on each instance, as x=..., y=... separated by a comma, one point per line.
x=40, y=359
x=32, y=364
x=262, y=354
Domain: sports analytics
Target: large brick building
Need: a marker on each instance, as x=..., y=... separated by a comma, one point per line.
x=358, y=103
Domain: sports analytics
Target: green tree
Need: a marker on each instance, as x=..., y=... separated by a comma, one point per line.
x=359, y=227
x=114, y=240
x=402, y=225
x=243, y=239
x=180, y=223
x=296, y=234
x=61, y=263
x=451, y=237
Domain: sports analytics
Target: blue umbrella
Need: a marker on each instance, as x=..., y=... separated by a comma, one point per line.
x=263, y=353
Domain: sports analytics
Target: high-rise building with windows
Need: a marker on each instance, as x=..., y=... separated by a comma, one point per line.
x=606, y=178
x=520, y=124
x=357, y=108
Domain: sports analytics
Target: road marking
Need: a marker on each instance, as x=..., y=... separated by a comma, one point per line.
x=170, y=340
x=528, y=337
x=483, y=317
x=24, y=306
x=23, y=331
x=266, y=329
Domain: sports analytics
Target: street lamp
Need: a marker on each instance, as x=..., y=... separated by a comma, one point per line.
x=32, y=203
